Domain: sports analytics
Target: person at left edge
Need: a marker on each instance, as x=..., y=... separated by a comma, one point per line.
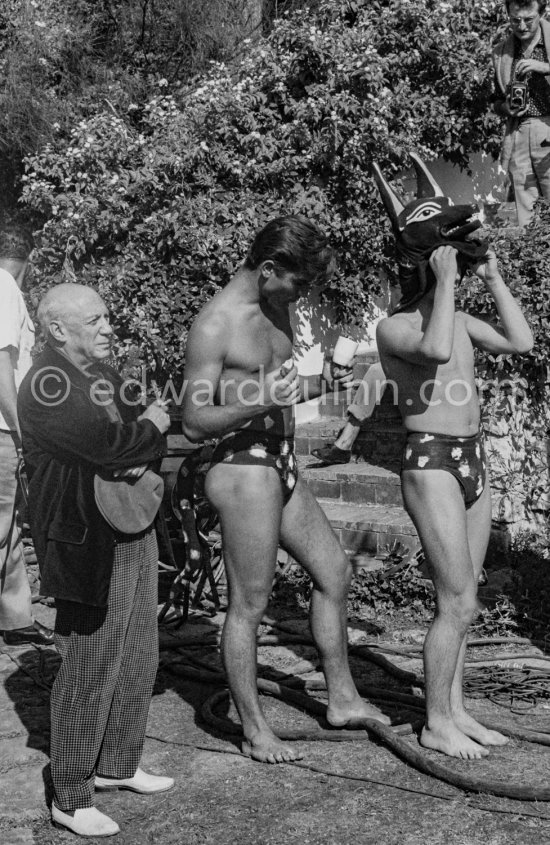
x=16, y=342
x=76, y=423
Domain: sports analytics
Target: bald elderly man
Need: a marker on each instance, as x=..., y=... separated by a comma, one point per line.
x=92, y=501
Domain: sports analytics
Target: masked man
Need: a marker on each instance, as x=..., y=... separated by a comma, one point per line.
x=427, y=349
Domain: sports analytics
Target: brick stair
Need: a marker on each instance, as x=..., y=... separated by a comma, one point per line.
x=362, y=499
x=363, y=504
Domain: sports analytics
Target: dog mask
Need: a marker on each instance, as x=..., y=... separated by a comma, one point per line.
x=423, y=225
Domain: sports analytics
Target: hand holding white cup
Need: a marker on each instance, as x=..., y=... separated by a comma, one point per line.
x=344, y=351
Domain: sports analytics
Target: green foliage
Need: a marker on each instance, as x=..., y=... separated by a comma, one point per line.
x=60, y=62
x=394, y=587
x=155, y=201
x=523, y=609
x=516, y=390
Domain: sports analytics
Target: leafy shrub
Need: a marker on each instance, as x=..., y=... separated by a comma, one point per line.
x=60, y=62
x=153, y=203
x=516, y=390
x=383, y=593
x=523, y=610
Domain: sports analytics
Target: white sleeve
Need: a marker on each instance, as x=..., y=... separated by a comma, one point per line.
x=10, y=315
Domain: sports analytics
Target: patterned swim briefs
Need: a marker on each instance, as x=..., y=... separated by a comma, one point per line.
x=256, y=448
x=463, y=457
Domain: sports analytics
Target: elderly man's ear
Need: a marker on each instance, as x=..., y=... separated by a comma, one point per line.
x=57, y=331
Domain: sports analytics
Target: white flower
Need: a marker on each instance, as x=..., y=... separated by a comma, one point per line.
x=257, y=451
x=464, y=469
x=456, y=453
x=426, y=438
x=423, y=460
x=408, y=452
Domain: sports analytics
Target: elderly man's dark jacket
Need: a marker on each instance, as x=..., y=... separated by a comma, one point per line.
x=67, y=437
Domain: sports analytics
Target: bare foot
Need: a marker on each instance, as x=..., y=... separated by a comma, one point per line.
x=353, y=715
x=267, y=748
x=469, y=726
x=448, y=739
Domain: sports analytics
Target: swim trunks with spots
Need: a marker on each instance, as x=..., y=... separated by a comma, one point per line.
x=462, y=457
x=256, y=448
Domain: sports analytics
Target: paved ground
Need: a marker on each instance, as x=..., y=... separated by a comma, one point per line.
x=221, y=797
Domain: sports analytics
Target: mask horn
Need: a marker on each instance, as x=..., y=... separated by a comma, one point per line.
x=426, y=184
x=393, y=204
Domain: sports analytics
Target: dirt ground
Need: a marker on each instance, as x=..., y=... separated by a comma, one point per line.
x=360, y=792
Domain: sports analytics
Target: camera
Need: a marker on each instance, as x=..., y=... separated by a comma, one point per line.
x=519, y=96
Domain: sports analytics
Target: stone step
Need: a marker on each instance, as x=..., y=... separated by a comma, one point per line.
x=364, y=505
x=368, y=530
x=358, y=482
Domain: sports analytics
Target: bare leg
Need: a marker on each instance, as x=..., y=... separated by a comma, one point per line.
x=367, y=396
x=348, y=435
x=435, y=503
x=308, y=536
x=478, y=522
x=249, y=502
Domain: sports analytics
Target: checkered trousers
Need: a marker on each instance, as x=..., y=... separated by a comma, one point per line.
x=101, y=695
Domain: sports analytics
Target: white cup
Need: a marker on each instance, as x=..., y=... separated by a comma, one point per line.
x=344, y=351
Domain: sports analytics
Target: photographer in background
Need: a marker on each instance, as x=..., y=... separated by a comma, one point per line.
x=522, y=82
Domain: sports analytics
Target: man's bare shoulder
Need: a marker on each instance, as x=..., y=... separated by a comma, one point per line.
x=388, y=327
x=215, y=318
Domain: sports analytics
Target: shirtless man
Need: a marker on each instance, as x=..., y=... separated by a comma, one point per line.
x=428, y=351
x=238, y=351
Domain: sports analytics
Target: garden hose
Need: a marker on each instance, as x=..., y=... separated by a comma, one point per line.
x=388, y=735
x=199, y=670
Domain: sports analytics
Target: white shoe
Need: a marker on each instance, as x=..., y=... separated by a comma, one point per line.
x=87, y=821
x=141, y=782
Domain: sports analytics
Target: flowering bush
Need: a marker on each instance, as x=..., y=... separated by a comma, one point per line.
x=155, y=204
x=516, y=391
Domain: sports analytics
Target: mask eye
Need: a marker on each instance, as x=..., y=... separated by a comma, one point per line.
x=424, y=212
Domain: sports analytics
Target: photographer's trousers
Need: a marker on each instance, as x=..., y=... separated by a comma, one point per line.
x=15, y=592
x=530, y=165
x=101, y=695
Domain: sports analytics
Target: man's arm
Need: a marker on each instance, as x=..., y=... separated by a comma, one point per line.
x=514, y=335
x=8, y=392
x=204, y=362
x=72, y=431
x=331, y=378
x=435, y=344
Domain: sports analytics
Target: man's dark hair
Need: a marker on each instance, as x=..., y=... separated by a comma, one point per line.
x=293, y=244
x=524, y=4
x=16, y=243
